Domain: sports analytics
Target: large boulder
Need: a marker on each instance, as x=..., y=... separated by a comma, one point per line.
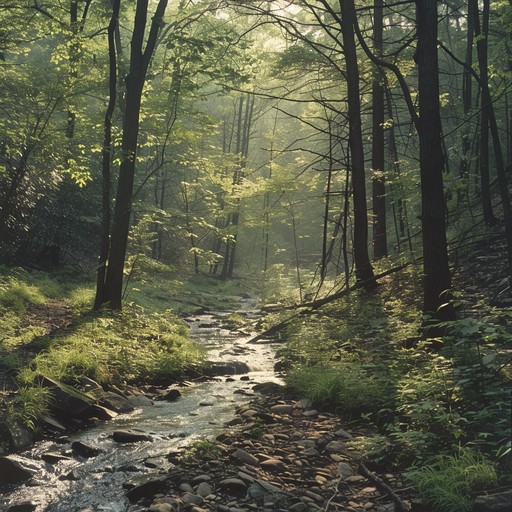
x=12, y=472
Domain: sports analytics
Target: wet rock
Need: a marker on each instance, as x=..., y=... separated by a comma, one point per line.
x=115, y=402
x=25, y=506
x=129, y=436
x=499, y=502
x=140, y=400
x=99, y=412
x=67, y=401
x=245, y=457
x=233, y=486
x=204, y=489
x=12, y=472
x=85, y=450
x=207, y=403
x=52, y=423
x=68, y=476
x=144, y=489
x=218, y=368
x=53, y=458
x=171, y=395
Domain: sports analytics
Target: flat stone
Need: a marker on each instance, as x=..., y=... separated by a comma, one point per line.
x=161, y=507
x=233, y=486
x=145, y=489
x=53, y=458
x=115, y=402
x=282, y=409
x=129, y=436
x=245, y=457
x=343, y=434
x=273, y=465
x=268, y=388
x=24, y=506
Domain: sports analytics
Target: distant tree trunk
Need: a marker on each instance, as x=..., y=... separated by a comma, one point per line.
x=488, y=107
x=101, y=292
x=480, y=32
x=364, y=271
x=437, y=279
x=139, y=62
x=380, y=243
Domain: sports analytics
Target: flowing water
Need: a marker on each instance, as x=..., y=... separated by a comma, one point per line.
x=201, y=412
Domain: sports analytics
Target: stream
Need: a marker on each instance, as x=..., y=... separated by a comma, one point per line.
x=202, y=411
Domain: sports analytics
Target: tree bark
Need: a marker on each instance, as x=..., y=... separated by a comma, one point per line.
x=101, y=292
x=437, y=279
x=139, y=62
x=380, y=243
x=364, y=270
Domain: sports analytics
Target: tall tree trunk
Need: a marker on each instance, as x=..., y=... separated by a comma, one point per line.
x=101, y=292
x=480, y=32
x=380, y=242
x=363, y=266
x=139, y=62
x=488, y=108
x=437, y=279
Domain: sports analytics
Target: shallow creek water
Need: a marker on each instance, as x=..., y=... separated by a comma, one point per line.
x=200, y=412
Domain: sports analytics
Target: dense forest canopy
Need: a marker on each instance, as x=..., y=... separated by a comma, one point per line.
x=233, y=136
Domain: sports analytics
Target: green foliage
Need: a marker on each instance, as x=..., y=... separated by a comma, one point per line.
x=30, y=403
x=449, y=481
x=347, y=387
x=202, y=449
x=126, y=346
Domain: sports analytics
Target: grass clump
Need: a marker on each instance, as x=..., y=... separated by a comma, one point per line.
x=347, y=387
x=202, y=449
x=129, y=346
x=30, y=403
x=449, y=481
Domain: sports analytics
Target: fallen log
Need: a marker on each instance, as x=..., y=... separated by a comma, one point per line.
x=309, y=307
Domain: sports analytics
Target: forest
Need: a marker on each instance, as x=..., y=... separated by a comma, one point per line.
x=306, y=205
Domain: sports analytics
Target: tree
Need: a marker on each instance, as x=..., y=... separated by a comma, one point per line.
x=436, y=272
x=111, y=288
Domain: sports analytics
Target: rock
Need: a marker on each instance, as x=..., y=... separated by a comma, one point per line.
x=53, y=458
x=129, y=436
x=115, y=402
x=140, y=400
x=12, y=472
x=192, y=499
x=171, y=395
x=273, y=465
x=145, y=489
x=336, y=447
x=218, y=368
x=204, y=489
x=84, y=450
x=245, y=457
x=67, y=401
x=161, y=507
x=343, y=434
x=233, y=486
x=499, y=502
x=52, y=423
x=269, y=388
x=207, y=403
x=99, y=412
x=282, y=409
x=298, y=507
x=20, y=436
x=345, y=470
x=25, y=506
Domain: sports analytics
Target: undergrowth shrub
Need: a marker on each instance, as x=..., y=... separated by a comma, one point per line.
x=449, y=481
x=347, y=387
